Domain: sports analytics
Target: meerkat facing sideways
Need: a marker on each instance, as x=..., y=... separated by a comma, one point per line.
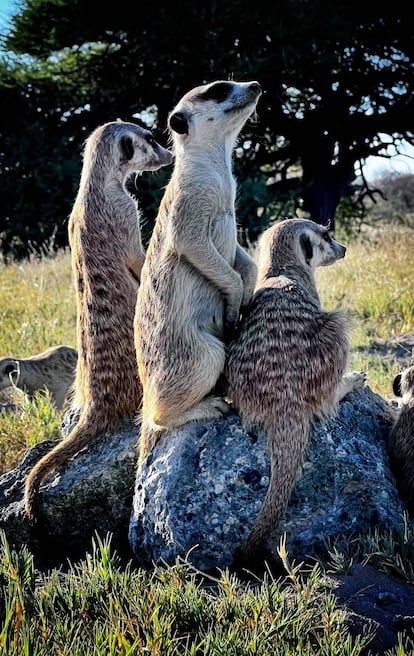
x=196, y=276
x=288, y=358
x=401, y=438
x=53, y=369
x=107, y=257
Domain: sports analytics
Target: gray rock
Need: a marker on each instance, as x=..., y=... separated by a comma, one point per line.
x=200, y=490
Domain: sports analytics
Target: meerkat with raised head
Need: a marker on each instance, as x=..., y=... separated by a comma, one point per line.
x=401, y=438
x=53, y=370
x=196, y=276
x=287, y=360
x=107, y=257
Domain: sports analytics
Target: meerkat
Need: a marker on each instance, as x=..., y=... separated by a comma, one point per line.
x=287, y=359
x=196, y=276
x=401, y=438
x=53, y=370
x=107, y=257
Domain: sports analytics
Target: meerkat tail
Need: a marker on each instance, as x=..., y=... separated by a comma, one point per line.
x=82, y=435
x=285, y=465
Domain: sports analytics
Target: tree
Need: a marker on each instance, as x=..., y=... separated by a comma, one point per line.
x=333, y=81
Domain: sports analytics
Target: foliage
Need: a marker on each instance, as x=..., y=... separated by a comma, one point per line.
x=98, y=607
x=333, y=83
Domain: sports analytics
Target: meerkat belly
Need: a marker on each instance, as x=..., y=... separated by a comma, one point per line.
x=194, y=316
x=224, y=236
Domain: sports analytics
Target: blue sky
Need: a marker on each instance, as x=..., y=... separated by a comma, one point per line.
x=374, y=165
x=6, y=6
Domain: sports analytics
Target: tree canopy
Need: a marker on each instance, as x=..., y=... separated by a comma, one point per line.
x=335, y=77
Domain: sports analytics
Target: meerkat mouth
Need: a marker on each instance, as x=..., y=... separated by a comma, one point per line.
x=239, y=108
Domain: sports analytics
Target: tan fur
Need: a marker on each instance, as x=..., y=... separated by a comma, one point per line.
x=53, y=370
x=288, y=358
x=107, y=257
x=401, y=440
x=196, y=276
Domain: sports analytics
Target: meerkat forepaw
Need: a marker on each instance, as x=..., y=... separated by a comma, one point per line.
x=351, y=381
x=357, y=379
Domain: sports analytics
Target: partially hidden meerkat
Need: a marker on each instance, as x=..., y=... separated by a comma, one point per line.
x=107, y=257
x=401, y=438
x=196, y=276
x=287, y=360
x=53, y=370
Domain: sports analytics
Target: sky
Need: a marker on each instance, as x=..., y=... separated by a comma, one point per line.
x=374, y=166
x=6, y=6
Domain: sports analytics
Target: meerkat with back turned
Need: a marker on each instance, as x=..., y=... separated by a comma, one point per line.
x=107, y=257
x=196, y=276
x=53, y=370
x=287, y=360
x=401, y=438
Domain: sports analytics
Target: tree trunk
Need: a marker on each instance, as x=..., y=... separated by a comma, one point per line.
x=324, y=183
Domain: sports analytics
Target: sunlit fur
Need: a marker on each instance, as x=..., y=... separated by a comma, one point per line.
x=196, y=277
x=287, y=360
x=401, y=440
x=107, y=257
x=53, y=370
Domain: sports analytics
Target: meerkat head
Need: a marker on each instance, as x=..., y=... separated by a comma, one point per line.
x=316, y=246
x=213, y=113
x=403, y=384
x=296, y=241
x=131, y=146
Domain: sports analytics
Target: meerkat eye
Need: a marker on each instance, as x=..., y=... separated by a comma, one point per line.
x=9, y=369
x=127, y=148
x=218, y=92
x=396, y=385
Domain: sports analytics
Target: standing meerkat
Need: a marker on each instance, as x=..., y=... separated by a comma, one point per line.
x=287, y=359
x=53, y=369
x=107, y=257
x=401, y=439
x=196, y=276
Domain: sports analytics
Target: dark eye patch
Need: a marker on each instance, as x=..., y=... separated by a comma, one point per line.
x=218, y=92
x=326, y=236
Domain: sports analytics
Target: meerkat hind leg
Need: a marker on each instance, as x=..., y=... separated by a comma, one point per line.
x=209, y=408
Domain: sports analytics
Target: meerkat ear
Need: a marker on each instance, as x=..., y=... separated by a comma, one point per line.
x=396, y=385
x=127, y=148
x=179, y=123
x=307, y=248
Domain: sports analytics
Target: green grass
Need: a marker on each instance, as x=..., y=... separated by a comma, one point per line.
x=374, y=284
x=98, y=607
x=37, y=306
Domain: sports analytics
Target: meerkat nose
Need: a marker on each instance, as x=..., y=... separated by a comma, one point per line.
x=255, y=86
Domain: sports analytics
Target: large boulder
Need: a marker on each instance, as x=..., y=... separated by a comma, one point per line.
x=199, y=492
